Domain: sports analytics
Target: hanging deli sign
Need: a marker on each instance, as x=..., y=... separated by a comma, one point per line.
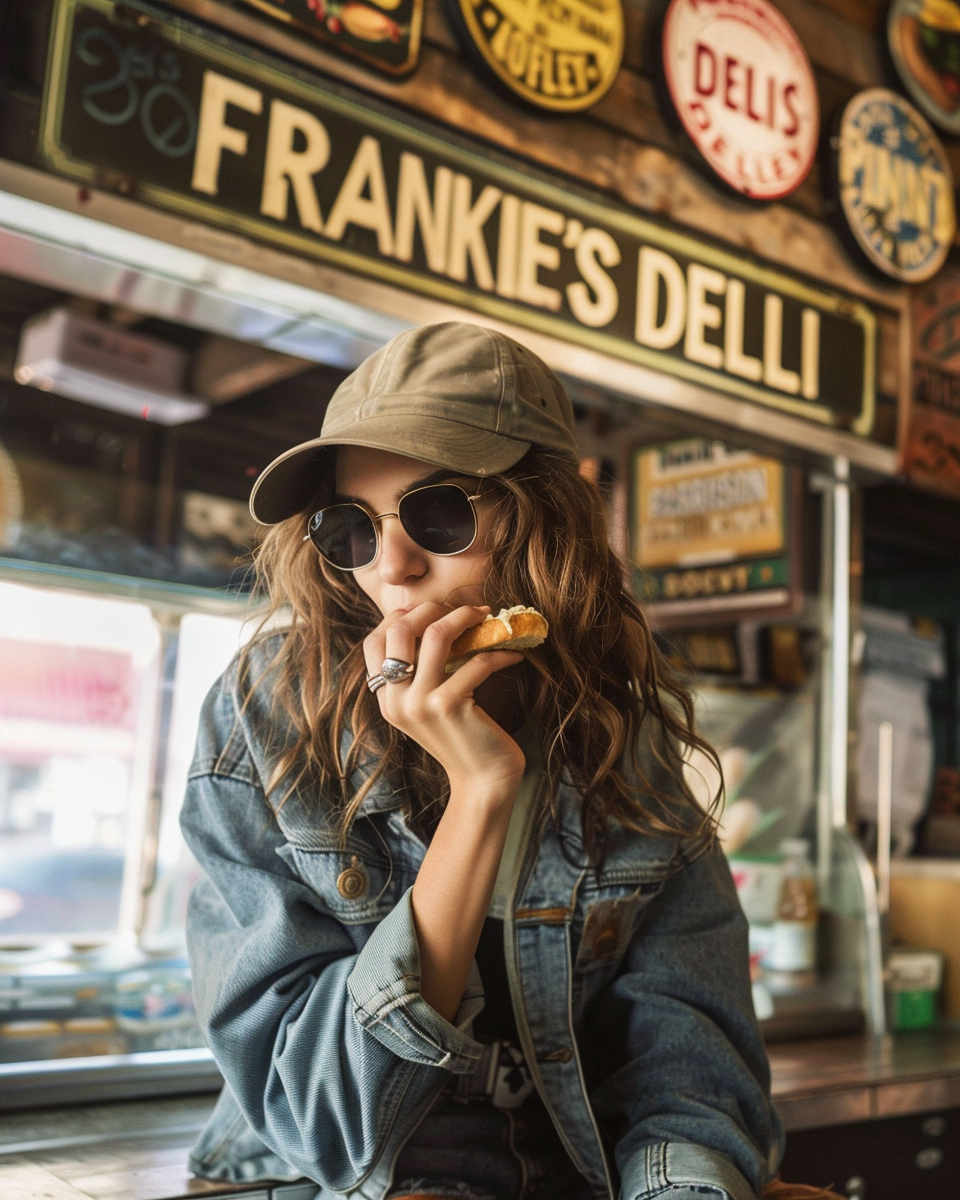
x=709, y=528
x=931, y=450
x=384, y=33
x=895, y=186
x=182, y=122
x=560, y=55
x=744, y=91
x=924, y=41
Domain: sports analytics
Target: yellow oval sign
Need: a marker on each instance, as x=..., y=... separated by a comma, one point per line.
x=561, y=55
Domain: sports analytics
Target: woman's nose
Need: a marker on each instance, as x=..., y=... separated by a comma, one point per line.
x=400, y=556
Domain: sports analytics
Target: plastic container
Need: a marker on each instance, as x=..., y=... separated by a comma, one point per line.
x=757, y=878
x=794, y=942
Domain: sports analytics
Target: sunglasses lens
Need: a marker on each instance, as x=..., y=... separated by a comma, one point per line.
x=345, y=535
x=439, y=519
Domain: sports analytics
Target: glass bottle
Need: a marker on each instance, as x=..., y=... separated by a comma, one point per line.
x=794, y=946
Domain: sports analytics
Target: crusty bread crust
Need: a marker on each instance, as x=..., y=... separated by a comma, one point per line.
x=516, y=628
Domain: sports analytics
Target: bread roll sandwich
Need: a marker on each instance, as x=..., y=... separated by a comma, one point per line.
x=517, y=628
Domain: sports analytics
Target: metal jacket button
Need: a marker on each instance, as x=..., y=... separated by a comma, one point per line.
x=352, y=883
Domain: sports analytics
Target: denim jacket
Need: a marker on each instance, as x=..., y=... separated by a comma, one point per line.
x=630, y=988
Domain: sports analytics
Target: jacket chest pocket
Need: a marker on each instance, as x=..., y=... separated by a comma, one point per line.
x=608, y=926
x=355, y=887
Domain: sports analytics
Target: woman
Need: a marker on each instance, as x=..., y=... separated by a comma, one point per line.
x=462, y=935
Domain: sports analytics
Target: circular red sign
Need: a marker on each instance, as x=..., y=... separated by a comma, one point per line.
x=744, y=90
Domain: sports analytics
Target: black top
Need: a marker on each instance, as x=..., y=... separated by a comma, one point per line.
x=496, y=1022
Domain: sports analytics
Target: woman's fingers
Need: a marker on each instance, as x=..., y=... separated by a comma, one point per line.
x=466, y=679
x=436, y=710
x=436, y=640
x=401, y=635
x=375, y=643
x=400, y=643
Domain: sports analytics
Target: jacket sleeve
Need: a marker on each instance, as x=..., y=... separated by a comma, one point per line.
x=682, y=1089
x=322, y=1046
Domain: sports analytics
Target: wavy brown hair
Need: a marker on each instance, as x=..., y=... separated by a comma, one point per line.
x=599, y=687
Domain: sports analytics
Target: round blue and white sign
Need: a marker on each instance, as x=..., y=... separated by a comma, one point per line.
x=896, y=190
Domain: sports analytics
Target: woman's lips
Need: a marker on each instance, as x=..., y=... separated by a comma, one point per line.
x=468, y=594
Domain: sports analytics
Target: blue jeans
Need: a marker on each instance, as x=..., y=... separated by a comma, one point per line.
x=470, y=1150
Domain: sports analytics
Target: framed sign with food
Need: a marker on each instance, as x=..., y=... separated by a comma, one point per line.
x=924, y=38
x=384, y=33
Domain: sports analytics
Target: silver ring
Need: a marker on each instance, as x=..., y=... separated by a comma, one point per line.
x=375, y=683
x=395, y=670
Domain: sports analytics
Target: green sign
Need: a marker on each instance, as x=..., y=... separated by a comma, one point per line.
x=145, y=105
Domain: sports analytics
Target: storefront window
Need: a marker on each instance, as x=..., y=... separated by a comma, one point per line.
x=78, y=693
x=205, y=645
x=99, y=703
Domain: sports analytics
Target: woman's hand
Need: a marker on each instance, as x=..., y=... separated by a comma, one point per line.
x=438, y=710
x=452, y=891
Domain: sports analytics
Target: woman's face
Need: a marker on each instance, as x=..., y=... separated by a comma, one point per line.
x=403, y=574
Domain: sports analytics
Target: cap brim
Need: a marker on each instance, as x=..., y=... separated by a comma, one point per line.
x=293, y=481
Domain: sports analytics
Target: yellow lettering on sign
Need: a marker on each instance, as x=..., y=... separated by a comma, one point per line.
x=214, y=135
x=508, y=245
x=656, y=269
x=285, y=166
x=715, y=581
x=415, y=206
x=775, y=375
x=595, y=249
x=734, y=359
x=466, y=232
x=810, y=354
x=352, y=207
x=702, y=315
x=534, y=254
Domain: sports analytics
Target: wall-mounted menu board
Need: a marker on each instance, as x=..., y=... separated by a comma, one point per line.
x=710, y=530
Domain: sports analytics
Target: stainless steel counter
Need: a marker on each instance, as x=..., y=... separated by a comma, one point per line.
x=137, y=1150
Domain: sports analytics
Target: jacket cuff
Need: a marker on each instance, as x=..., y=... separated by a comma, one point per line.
x=385, y=988
x=682, y=1171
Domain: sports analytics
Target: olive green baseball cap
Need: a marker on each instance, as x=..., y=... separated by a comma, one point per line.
x=453, y=395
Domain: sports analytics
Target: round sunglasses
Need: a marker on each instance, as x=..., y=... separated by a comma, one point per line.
x=440, y=518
